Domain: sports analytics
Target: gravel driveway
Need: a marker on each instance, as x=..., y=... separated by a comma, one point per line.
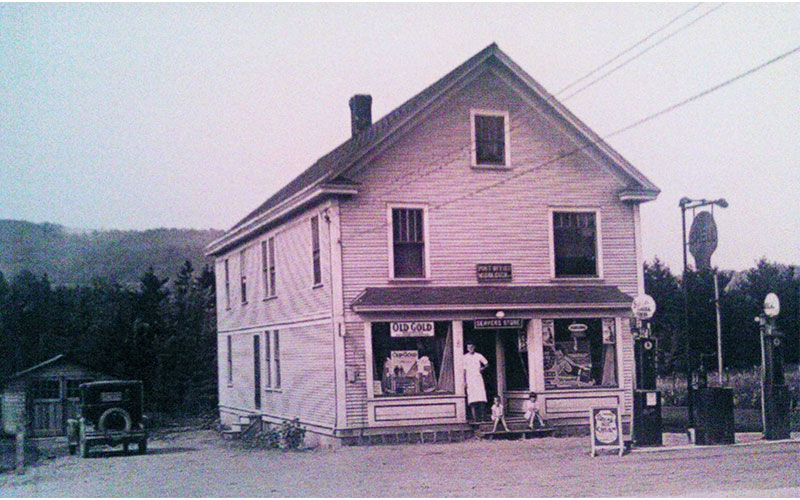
x=199, y=463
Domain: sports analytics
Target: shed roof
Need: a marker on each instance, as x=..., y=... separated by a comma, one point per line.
x=489, y=297
x=37, y=367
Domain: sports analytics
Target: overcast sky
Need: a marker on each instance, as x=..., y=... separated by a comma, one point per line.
x=141, y=116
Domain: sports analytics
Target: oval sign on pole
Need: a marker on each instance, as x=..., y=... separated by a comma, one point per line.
x=772, y=306
x=643, y=306
x=703, y=239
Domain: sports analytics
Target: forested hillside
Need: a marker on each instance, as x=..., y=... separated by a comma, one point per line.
x=76, y=258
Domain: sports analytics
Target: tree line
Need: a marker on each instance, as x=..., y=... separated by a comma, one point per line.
x=160, y=332
x=741, y=300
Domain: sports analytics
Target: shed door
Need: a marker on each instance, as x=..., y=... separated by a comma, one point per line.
x=47, y=411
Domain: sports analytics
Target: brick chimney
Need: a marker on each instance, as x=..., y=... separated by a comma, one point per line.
x=360, y=112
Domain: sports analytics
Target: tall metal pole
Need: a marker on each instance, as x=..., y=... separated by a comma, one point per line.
x=688, y=359
x=719, y=329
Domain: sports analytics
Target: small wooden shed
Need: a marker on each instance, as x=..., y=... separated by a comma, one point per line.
x=41, y=398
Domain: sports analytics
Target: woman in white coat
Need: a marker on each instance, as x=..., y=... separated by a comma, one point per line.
x=474, y=364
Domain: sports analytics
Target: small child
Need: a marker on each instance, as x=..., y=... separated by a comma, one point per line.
x=498, y=415
x=531, y=409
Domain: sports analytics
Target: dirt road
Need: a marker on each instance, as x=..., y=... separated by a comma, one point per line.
x=200, y=464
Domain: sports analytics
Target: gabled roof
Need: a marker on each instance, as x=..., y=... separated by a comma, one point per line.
x=37, y=367
x=407, y=298
x=329, y=169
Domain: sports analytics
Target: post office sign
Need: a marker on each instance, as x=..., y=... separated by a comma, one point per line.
x=493, y=272
x=411, y=329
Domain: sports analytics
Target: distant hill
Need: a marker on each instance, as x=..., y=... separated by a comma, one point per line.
x=74, y=257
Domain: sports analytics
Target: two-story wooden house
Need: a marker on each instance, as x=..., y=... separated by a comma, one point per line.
x=480, y=210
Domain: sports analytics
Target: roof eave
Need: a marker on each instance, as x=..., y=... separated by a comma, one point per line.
x=638, y=195
x=314, y=193
x=485, y=307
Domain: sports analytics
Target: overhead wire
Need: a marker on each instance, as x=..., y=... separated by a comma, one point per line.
x=625, y=51
x=395, y=184
x=641, y=53
x=634, y=124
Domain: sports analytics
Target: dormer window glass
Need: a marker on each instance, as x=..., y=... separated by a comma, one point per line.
x=490, y=132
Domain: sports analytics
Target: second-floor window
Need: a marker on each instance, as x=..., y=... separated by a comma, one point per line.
x=243, y=274
x=408, y=242
x=227, y=284
x=490, y=132
x=315, y=257
x=575, y=244
x=268, y=266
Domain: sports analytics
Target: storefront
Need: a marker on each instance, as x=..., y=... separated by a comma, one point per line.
x=571, y=345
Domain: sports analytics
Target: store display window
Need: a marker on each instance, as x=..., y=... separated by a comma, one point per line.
x=579, y=353
x=412, y=358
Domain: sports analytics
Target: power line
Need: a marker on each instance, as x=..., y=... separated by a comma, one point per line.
x=649, y=36
x=641, y=53
x=612, y=134
x=395, y=184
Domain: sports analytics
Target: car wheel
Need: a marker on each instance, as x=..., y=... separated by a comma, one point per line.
x=115, y=419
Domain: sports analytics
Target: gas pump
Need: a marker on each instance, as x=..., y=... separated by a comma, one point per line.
x=646, y=399
x=774, y=392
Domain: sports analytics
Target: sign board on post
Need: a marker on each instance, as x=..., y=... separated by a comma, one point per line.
x=703, y=239
x=772, y=306
x=606, y=429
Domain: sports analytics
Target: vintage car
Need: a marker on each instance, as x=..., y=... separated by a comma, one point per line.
x=111, y=414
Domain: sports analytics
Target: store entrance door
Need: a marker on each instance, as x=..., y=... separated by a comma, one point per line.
x=506, y=352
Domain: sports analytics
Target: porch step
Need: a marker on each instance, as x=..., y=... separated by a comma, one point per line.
x=517, y=428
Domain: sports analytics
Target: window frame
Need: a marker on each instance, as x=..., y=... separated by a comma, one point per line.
x=425, y=236
x=230, y=361
x=268, y=268
x=618, y=353
x=243, y=275
x=272, y=361
x=257, y=371
x=227, y=278
x=506, y=139
x=598, y=241
x=316, y=252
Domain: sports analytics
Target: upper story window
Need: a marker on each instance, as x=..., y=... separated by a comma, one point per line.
x=227, y=284
x=490, y=134
x=268, y=266
x=315, y=256
x=243, y=274
x=576, y=249
x=408, y=242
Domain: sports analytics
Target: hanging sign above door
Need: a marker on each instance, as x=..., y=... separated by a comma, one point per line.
x=491, y=324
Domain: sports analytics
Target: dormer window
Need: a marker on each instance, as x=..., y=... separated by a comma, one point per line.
x=490, y=133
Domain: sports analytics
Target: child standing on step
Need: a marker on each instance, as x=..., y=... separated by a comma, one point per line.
x=531, y=409
x=498, y=415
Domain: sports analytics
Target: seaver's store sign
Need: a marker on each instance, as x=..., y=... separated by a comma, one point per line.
x=493, y=272
x=491, y=324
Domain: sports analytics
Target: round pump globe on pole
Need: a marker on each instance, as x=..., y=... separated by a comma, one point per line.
x=772, y=306
x=643, y=307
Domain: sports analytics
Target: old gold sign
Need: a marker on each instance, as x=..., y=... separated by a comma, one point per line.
x=411, y=328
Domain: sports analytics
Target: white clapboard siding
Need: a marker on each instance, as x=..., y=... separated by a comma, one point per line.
x=300, y=311
x=505, y=224
x=508, y=223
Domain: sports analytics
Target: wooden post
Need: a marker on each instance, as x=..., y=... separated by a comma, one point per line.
x=20, y=451
x=500, y=356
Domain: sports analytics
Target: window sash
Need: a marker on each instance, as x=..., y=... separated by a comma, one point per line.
x=408, y=242
x=271, y=271
x=490, y=139
x=227, y=285
x=277, y=358
x=230, y=360
x=575, y=245
x=257, y=371
x=243, y=276
x=268, y=360
x=315, y=255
